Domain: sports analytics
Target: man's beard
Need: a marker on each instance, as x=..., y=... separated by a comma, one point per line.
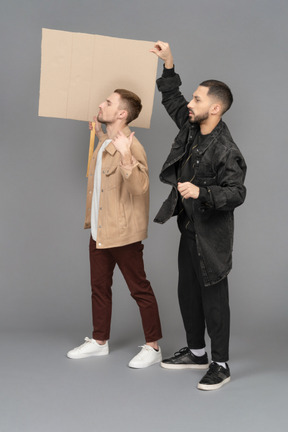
x=200, y=118
x=101, y=120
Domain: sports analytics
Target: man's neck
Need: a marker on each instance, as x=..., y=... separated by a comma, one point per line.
x=207, y=128
x=113, y=128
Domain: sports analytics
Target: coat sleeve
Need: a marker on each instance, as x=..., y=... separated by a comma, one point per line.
x=172, y=99
x=229, y=192
x=136, y=177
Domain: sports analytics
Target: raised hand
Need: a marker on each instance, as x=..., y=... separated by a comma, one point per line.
x=123, y=144
x=163, y=51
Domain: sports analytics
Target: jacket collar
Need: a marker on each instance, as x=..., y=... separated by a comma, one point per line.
x=212, y=136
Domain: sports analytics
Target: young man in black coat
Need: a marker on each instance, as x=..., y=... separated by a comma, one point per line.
x=206, y=171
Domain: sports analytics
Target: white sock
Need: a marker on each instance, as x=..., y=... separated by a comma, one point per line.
x=222, y=364
x=198, y=352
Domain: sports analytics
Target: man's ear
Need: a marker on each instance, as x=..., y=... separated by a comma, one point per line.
x=123, y=114
x=216, y=109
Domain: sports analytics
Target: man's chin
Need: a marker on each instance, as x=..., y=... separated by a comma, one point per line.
x=100, y=120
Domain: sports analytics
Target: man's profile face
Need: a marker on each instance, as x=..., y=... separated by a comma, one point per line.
x=199, y=106
x=109, y=109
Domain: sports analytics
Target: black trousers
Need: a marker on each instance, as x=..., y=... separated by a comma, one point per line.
x=202, y=307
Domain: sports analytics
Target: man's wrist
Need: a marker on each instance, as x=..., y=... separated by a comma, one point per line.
x=168, y=72
x=203, y=194
x=126, y=159
x=169, y=63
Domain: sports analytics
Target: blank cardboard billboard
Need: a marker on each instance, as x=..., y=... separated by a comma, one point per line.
x=79, y=71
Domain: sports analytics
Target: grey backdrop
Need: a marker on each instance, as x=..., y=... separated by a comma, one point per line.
x=44, y=249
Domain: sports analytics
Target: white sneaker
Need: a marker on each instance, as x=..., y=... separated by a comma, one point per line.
x=90, y=348
x=146, y=357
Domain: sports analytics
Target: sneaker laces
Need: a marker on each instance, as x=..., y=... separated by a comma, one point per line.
x=145, y=347
x=181, y=351
x=87, y=341
x=213, y=369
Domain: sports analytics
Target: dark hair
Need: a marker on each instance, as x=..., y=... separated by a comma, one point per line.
x=221, y=91
x=132, y=103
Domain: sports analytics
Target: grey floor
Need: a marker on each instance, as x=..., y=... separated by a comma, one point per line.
x=42, y=390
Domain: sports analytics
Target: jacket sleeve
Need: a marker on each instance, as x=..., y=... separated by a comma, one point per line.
x=172, y=99
x=135, y=176
x=229, y=192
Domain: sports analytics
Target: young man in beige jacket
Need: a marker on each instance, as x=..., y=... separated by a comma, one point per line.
x=117, y=211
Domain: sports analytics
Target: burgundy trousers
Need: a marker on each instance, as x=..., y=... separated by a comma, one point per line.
x=129, y=259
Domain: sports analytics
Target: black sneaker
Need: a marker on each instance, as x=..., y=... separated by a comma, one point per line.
x=215, y=378
x=184, y=359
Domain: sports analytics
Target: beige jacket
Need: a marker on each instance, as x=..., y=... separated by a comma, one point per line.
x=124, y=199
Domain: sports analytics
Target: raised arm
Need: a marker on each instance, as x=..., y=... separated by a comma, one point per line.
x=172, y=99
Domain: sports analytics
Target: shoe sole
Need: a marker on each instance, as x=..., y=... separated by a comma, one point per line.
x=81, y=356
x=142, y=367
x=208, y=387
x=184, y=366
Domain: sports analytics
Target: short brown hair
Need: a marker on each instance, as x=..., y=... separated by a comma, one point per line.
x=132, y=103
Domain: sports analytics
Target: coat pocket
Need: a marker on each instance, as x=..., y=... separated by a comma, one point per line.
x=205, y=181
x=111, y=177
